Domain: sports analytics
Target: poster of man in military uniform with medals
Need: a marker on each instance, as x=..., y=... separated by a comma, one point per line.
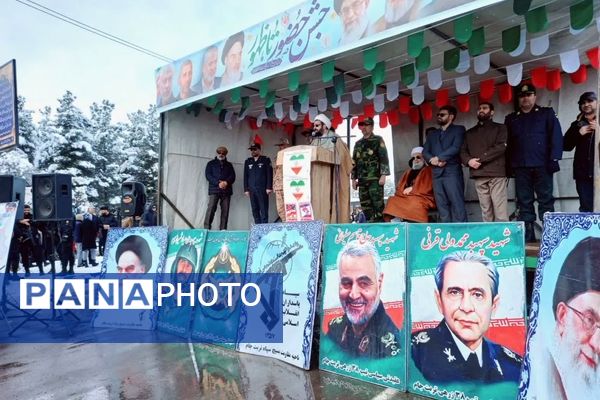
x=362, y=333
x=467, y=309
x=184, y=253
x=291, y=252
x=224, y=259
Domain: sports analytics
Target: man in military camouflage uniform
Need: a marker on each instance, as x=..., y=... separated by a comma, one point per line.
x=371, y=166
x=456, y=350
x=365, y=329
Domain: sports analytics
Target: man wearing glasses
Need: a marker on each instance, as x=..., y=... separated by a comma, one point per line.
x=371, y=167
x=220, y=176
x=483, y=151
x=441, y=151
x=572, y=370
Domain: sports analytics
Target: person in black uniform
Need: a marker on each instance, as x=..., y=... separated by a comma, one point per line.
x=535, y=144
x=456, y=349
x=258, y=183
x=581, y=137
x=365, y=329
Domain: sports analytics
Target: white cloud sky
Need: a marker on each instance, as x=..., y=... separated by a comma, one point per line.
x=53, y=56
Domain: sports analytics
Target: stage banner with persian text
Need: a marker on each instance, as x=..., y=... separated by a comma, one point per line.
x=363, y=280
x=311, y=31
x=297, y=185
x=133, y=251
x=224, y=259
x=183, y=265
x=8, y=214
x=563, y=340
x=9, y=121
x=467, y=309
x=292, y=250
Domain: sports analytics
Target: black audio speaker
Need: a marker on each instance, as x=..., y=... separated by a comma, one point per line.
x=13, y=189
x=52, y=197
x=133, y=199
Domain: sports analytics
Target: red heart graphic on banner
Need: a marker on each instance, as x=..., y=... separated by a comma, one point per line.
x=296, y=170
x=298, y=195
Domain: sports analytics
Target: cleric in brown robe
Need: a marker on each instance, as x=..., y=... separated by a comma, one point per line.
x=414, y=193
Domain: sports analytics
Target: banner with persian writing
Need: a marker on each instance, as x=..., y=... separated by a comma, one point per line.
x=563, y=340
x=362, y=328
x=311, y=31
x=467, y=309
x=297, y=185
x=9, y=122
x=224, y=259
x=183, y=264
x=292, y=250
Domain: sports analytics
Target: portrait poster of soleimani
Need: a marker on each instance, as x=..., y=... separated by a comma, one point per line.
x=289, y=252
x=363, y=281
x=223, y=261
x=467, y=309
x=182, y=266
x=563, y=340
x=133, y=252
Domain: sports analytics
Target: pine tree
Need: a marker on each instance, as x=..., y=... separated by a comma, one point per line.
x=74, y=155
x=109, y=147
x=142, y=155
x=28, y=138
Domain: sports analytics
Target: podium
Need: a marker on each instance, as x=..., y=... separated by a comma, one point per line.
x=330, y=181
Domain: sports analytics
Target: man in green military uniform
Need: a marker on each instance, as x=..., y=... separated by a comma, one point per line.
x=365, y=329
x=371, y=166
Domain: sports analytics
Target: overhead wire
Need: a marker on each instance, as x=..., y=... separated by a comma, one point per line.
x=65, y=18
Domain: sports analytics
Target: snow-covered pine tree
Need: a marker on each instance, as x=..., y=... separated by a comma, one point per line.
x=142, y=153
x=74, y=152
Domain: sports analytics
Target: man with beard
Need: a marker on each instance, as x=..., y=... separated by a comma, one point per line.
x=185, y=80
x=365, y=329
x=566, y=366
x=414, y=193
x=441, y=151
x=164, y=86
x=483, y=150
x=535, y=145
x=208, y=81
x=456, y=350
x=355, y=19
x=220, y=175
x=232, y=59
x=581, y=137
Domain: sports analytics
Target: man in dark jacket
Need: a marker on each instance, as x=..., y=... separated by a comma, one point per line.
x=581, y=137
x=483, y=151
x=89, y=232
x=535, y=145
x=149, y=218
x=220, y=176
x=107, y=221
x=67, y=258
x=441, y=151
x=258, y=183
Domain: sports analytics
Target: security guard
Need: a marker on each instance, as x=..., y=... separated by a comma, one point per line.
x=379, y=339
x=258, y=183
x=371, y=166
x=436, y=355
x=535, y=144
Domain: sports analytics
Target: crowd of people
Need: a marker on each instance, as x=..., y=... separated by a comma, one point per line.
x=75, y=242
x=527, y=146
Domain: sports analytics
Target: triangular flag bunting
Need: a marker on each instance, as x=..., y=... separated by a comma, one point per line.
x=451, y=59
x=511, y=38
x=236, y=93
x=520, y=7
x=293, y=80
x=370, y=58
x=477, y=42
x=415, y=43
x=423, y=61
x=553, y=80
x=441, y=98
x=327, y=70
x=404, y=104
x=579, y=76
x=263, y=88
x=463, y=103
x=407, y=74
x=505, y=92
x=378, y=73
x=536, y=20
x=426, y=111
x=582, y=14
x=538, y=77
x=486, y=89
x=594, y=57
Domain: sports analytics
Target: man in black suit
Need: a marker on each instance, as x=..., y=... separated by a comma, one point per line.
x=441, y=150
x=456, y=349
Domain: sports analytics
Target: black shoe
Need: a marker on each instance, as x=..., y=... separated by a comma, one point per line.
x=530, y=232
x=94, y=264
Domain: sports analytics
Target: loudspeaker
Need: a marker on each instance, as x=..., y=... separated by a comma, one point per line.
x=133, y=199
x=52, y=197
x=13, y=189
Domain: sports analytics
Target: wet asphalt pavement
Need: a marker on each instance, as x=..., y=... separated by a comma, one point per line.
x=93, y=371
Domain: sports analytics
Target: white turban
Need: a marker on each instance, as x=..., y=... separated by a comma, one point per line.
x=416, y=150
x=323, y=118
